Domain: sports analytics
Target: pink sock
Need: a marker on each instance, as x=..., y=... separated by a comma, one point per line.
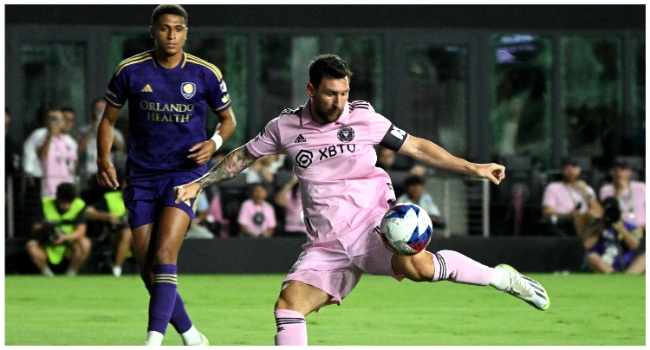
x=454, y=266
x=292, y=328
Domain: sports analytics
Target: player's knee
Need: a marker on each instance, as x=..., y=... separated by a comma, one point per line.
x=417, y=268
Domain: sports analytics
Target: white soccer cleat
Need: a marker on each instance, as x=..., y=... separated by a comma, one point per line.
x=526, y=289
x=203, y=342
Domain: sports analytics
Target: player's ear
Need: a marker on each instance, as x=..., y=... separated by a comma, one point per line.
x=310, y=90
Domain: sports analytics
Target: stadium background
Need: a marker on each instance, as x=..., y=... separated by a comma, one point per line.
x=449, y=73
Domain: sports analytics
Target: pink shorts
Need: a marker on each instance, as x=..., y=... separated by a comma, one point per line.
x=336, y=267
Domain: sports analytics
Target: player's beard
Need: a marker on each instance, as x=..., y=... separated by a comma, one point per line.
x=329, y=115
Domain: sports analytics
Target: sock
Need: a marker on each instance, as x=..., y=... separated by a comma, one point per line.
x=154, y=338
x=48, y=272
x=191, y=336
x=180, y=319
x=292, y=328
x=117, y=271
x=71, y=273
x=163, y=295
x=500, y=279
x=454, y=266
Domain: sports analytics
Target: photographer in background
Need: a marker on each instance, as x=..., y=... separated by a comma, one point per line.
x=618, y=243
x=116, y=234
x=60, y=232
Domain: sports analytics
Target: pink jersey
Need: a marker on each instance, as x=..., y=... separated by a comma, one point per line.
x=258, y=218
x=59, y=165
x=563, y=198
x=335, y=163
x=632, y=202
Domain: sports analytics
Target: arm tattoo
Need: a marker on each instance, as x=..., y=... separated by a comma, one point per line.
x=234, y=163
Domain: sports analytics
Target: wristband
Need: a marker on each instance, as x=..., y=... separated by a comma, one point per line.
x=217, y=140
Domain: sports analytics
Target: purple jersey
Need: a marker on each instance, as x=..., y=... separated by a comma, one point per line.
x=167, y=109
x=341, y=187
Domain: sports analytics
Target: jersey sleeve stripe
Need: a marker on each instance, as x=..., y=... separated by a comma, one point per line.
x=113, y=102
x=133, y=60
x=206, y=64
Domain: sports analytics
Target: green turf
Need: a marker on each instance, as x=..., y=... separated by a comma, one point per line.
x=585, y=309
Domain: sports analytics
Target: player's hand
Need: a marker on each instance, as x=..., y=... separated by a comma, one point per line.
x=493, y=172
x=185, y=192
x=106, y=175
x=202, y=152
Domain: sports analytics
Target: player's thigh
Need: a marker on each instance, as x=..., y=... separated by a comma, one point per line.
x=142, y=241
x=172, y=228
x=301, y=297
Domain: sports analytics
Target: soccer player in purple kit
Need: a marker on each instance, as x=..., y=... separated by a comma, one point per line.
x=331, y=142
x=169, y=92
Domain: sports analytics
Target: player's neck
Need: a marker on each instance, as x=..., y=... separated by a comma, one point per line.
x=168, y=61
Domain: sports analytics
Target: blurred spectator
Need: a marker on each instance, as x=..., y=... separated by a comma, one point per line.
x=387, y=160
x=116, y=236
x=289, y=199
x=631, y=194
x=256, y=215
x=415, y=194
x=67, y=123
x=57, y=153
x=88, y=146
x=569, y=204
x=60, y=232
x=215, y=220
x=197, y=228
x=260, y=171
x=616, y=243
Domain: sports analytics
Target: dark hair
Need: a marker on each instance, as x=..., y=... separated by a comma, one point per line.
x=67, y=109
x=413, y=180
x=327, y=65
x=7, y=110
x=66, y=192
x=168, y=9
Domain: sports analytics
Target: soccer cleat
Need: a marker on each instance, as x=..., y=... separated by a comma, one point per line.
x=204, y=341
x=526, y=289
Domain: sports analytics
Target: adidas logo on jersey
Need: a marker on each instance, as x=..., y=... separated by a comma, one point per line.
x=147, y=88
x=300, y=139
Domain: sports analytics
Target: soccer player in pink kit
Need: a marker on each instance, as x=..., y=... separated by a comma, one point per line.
x=331, y=142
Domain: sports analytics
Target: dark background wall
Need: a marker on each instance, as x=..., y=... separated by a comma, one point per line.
x=578, y=17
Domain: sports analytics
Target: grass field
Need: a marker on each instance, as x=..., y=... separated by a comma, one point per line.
x=585, y=309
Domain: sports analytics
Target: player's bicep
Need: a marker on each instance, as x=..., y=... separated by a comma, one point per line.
x=394, y=139
x=111, y=113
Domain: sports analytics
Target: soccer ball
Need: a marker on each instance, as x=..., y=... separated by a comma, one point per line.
x=405, y=229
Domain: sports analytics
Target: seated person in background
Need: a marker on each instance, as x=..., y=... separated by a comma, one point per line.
x=569, y=204
x=198, y=226
x=630, y=194
x=415, y=194
x=215, y=220
x=386, y=159
x=616, y=242
x=290, y=199
x=257, y=216
x=60, y=232
x=111, y=210
x=260, y=171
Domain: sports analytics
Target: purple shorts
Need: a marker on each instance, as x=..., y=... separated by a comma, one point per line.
x=145, y=200
x=336, y=267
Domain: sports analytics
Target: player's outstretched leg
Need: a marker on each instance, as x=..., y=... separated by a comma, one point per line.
x=525, y=288
x=456, y=267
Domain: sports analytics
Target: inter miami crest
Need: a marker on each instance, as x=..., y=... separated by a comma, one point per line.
x=346, y=134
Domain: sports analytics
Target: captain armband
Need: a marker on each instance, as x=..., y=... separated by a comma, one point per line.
x=394, y=138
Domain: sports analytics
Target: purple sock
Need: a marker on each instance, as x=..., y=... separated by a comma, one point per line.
x=180, y=319
x=454, y=266
x=163, y=296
